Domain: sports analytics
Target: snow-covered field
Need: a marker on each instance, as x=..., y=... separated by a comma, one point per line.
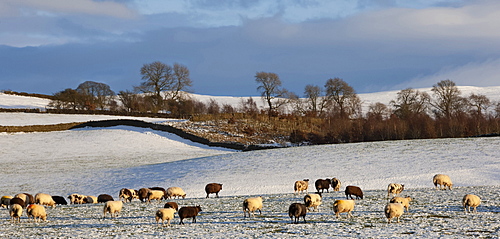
x=95, y=161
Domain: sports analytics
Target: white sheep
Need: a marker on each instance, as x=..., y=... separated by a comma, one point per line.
x=341, y=206
x=113, y=207
x=90, y=199
x=251, y=205
x=405, y=201
x=37, y=212
x=443, y=181
x=301, y=186
x=45, y=199
x=471, y=200
x=155, y=195
x=393, y=210
x=164, y=214
x=312, y=200
x=173, y=192
x=15, y=212
x=395, y=189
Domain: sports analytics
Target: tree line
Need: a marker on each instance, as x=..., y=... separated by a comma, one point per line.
x=328, y=114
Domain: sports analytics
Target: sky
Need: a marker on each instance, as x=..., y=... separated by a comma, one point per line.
x=373, y=45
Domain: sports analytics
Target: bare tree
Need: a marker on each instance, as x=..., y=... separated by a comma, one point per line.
x=96, y=94
x=378, y=111
x=181, y=81
x=128, y=99
x=479, y=103
x=66, y=99
x=157, y=77
x=410, y=102
x=312, y=93
x=342, y=98
x=249, y=106
x=271, y=91
x=447, y=98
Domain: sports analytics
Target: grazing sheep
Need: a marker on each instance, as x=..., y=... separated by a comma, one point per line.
x=143, y=194
x=173, y=205
x=471, y=200
x=17, y=201
x=45, y=199
x=312, y=200
x=393, y=210
x=323, y=184
x=404, y=201
x=443, y=181
x=155, y=195
x=5, y=201
x=15, y=212
x=104, y=198
x=187, y=212
x=213, y=188
x=37, y=212
x=59, y=200
x=26, y=197
x=127, y=194
x=90, y=199
x=353, y=190
x=395, y=189
x=297, y=210
x=160, y=189
x=336, y=184
x=341, y=206
x=173, y=192
x=76, y=198
x=113, y=207
x=164, y=214
x=251, y=205
x=301, y=186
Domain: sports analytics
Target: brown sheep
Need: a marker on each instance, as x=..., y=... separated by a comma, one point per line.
x=173, y=205
x=322, y=184
x=353, y=190
x=126, y=194
x=143, y=194
x=187, y=212
x=104, y=198
x=297, y=210
x=336, y=184
x=213, y=188
x=301, y=186
x=18, y=201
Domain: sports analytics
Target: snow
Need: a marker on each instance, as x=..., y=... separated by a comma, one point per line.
x=94, y=161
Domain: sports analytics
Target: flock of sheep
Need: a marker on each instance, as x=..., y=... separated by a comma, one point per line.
x=395, y=208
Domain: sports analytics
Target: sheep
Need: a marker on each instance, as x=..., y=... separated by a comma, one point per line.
x=393, y=210
x=336, y=184
x=251, y=205
x=15, y=212
x=471, y=200
x=76, y=198
x=5, y=201
x=395, y=189
x=187, y=212
x=405, y=201
x=104, y=198
x=155, y=195
x=173, y=192
x=213, y=188
x=143, y=194
x=443, y=181
x=312, y=200
x=173, y=205
x=90, y=199
x=353, y=190
x=126, y=194
x=59, y=200
x=301, y=186
x=322, y=184
x=113, y=207
x=26, y=197
x=45, y=199
x=17, y=201
x=164, y=214
x=340, y=206
x=37, y=212
x=160, y=189
x=297, y=210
